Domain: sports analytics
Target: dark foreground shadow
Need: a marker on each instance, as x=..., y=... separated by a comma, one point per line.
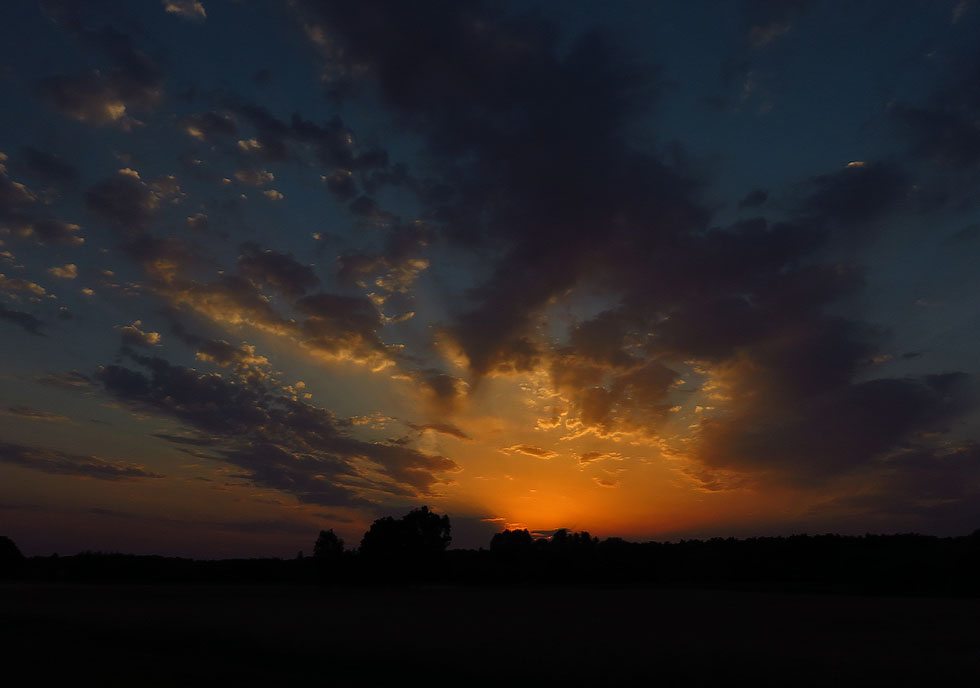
x=208, y=635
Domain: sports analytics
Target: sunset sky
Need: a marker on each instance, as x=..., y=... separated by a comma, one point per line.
x=648, y=269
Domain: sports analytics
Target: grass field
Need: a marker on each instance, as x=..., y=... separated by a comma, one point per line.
x=223, y=635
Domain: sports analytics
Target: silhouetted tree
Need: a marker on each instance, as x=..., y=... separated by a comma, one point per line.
x=427, y=531
x=408, y=547
x=328, y=547
x=512, y=543
x=11, y=558
x=573, y=543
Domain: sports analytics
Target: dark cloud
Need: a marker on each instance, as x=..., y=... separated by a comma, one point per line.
x=134, y=81
x=162, y=259
x=547, y=187
x=279, y=442
x=18, y=214
x=31, y=413
x=62, y=463
x=767, y=20
x=443, y=428
x=966, y=234
x=242, y=358
x=124, y=202
x=555, y=180
x=342, y=326
x=191, y=10
x=948, y=137
x=800, y=416
x=858, y=194
x=396, y=267
x=922, y=488
x=132, y=335
x=48, y=168
x=341, y=183
x=207, y=126
x=225, y=354
x=942, y=128
x=22, y=319
x=51, y=232
x=331, y=144
x=194, y=441
x=444, y=393
x=278, y=271
x=754, y=199
x=70, y=380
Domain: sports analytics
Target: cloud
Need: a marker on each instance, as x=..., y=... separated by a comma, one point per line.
x=855, y=195
x=593, y=456
x=444, y=393
x=530, y=450
x=162, y=259
x=396, y=267
x=66, y=271
x=70, y=380
x=89, y=98
x=105, y=98
x=207, y=126
x=552, y=188
x=132, y=335
x=918, y=489
x=569, y=209
x=343, y=327
x=254, y=177
x=198, y=222
x=242, y=358
x=277, y=440
x=754, y=199
x=17, y=284
x=186, y=9
x=800, y=417
x=124, y=202
x=279, y=271
x=769, y=19
x=47, y=167
x=62, y=463
x=17, y=206
x=52, y=232
x=31, y=413
x=442, y=428
x=331, y=144
x=224, y=354
x=232, y=300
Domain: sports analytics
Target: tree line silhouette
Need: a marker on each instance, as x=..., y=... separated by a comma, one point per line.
x=413, y=549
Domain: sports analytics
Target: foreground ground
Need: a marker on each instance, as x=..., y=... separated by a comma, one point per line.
x=192, y=635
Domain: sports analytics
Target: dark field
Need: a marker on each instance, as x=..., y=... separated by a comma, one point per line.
x=276, y=635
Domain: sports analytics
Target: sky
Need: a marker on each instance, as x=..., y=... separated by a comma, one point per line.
x=655, y=270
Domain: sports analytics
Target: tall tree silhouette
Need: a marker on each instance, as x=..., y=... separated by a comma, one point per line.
x=409, y=548
x=11, y=558
x=328, y=547
x=512, y=543
x=420, y=532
